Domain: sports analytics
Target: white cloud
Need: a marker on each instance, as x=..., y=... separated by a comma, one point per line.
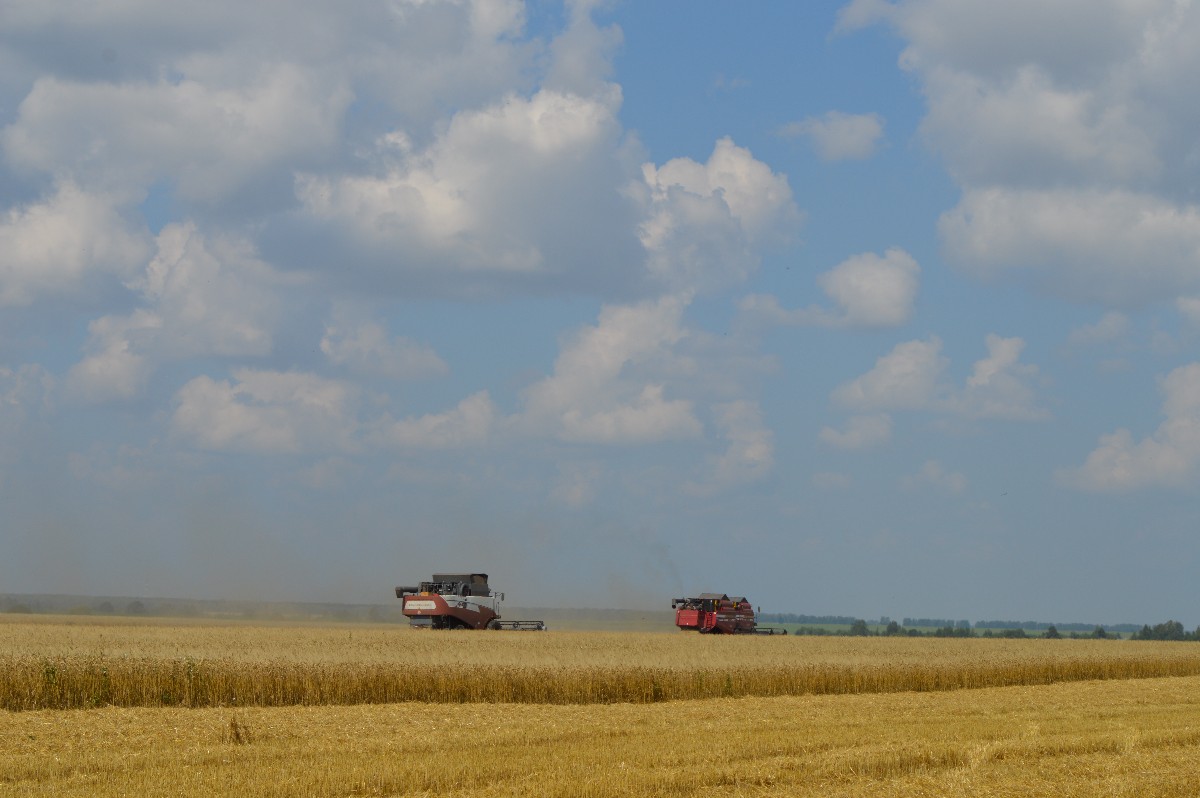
x=201, y=297
x=581, y=56
x=1167, y=458
x=645, y=418
x=1112, y=327
x=469, y=423
x=25, y=393
x=907, y=378
x=210, y=140
x=493, y=196
x=706, y=222
x=1000, y=385
x=910, y=378
x=751, y=451
x=215, y=97
x=862, y=432
x=934, y=475
x=365, y=349
x=606, y=384
x=874, y=291
x=267, y=412
x=869, y=290
x=1070, y=128
x=839, y=136
x=113, y=368
x=1117, y=247
x=64, y=246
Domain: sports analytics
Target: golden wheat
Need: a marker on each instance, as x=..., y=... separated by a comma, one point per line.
x=1113, y=738
x=61, y=663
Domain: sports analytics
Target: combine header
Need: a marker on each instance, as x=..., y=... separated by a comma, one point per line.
x=458, y=601
x=719, y=614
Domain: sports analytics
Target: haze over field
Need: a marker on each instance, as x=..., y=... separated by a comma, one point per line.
x=867, y=308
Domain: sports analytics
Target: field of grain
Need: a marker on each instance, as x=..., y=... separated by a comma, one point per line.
x=1100, y=738
x=69, y=663
x=120, y=707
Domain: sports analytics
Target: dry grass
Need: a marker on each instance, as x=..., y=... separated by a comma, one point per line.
x=66, y=663
x=1113, y=738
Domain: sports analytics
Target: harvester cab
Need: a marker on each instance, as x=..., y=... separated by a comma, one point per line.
x=457, y=601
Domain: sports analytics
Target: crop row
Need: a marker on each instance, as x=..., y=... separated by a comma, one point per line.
x=70, y=682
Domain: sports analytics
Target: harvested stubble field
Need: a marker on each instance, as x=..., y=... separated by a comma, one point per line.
x=815, y=716
x=1112, y=738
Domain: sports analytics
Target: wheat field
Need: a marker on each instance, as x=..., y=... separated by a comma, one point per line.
x=66, y=663
x=1111, y=738
x=122, y=707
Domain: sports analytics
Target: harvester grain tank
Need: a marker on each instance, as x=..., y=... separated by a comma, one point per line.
x=718, y=613
x=458, y=601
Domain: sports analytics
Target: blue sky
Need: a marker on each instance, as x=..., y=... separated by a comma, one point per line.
x=862, y=308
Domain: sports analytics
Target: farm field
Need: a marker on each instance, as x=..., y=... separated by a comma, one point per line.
x=51, y=662
x=1113, y=738
x=149, y=707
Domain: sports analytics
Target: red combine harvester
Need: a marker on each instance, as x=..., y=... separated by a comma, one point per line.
x=719, y=614
x=458, y=601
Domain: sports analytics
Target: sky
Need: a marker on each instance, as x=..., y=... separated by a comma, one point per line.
x=862, y=308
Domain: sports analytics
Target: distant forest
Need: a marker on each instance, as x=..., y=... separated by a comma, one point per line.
x=946, y=623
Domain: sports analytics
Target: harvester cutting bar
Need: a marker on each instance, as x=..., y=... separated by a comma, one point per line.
x=769, y=630
x=519, y=626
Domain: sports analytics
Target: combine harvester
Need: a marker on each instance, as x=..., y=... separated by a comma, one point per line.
x=458, y=601
x=719, y=614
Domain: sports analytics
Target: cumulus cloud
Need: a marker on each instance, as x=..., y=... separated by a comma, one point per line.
x=491, y=196
x=910, y=377
x=364, y=348
x=601, y=390
x=751, y=451
x=839, y=136
x=209, y=139
x=221, y=96
x=201, y=297
x=581, y=57
x=469, y=423
x=1000, y=386
x=1113, y=326
x=862, y=432
x=25, y=393
x=113, y=367
x=869, y=290
x=1167, y=458
x=706, y=224
x=1069, y=128
x=934, y=475
x=267, y=412
x=1116, y=247
x=907, y=378
x=65, y=245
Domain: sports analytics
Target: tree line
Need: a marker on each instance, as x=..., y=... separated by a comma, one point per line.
x=1170, y=630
